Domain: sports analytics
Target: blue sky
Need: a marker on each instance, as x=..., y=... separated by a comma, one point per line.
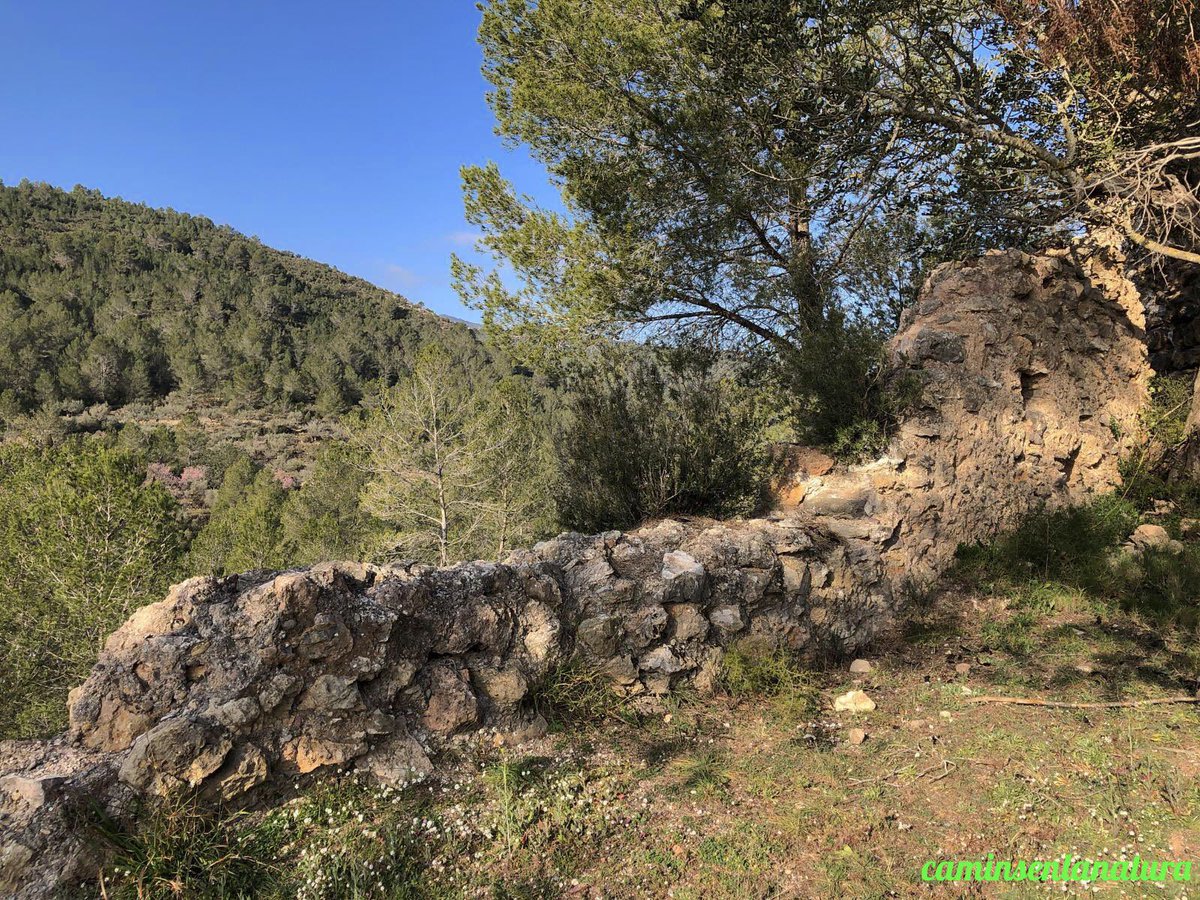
x=334, y=130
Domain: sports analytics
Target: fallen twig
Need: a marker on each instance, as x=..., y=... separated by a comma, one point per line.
x=947, y=767
x=1032, y=701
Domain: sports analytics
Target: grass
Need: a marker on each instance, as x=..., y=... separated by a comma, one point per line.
x=750, y=672
x=341, y=839
x=706, y=771
x=1072, y=561
x=578, y=694
x=180, y=848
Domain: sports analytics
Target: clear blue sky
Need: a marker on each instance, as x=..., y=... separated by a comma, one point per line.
x=334, y=130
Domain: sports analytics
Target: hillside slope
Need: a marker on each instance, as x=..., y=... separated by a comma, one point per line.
x=105, y=301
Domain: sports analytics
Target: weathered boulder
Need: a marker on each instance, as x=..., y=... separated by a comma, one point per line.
x=1149, y=537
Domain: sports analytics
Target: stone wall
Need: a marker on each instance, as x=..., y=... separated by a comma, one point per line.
x=1172, y=294
x=1033, y=371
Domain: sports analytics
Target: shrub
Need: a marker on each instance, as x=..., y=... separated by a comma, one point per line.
x=1149, y=471
x=750, y=672
x=1161, y=585
x=1069, y=546
x=644, y=439
x=577, y=693
x=244, y=531
x=84, y=541
x=838, y=390
x=323, y=519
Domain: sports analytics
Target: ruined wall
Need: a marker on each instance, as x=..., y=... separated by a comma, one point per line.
x=1171, y=290
x=1033, y=369
x=1033, y=372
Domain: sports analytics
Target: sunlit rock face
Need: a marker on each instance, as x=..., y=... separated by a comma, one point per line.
x=1033, y=373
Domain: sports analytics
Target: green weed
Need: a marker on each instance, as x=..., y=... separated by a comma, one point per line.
x=178, y=849
x=577, y=693
x=749, y=672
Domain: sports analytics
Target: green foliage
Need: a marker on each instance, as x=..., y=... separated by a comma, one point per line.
x=516, y=462
x=1068, y=546
x=1165, y=417
x=750, y=672
x=84, y=541
x=314, y=848
x=576, y=693
x=1013, y=635
x=644, y=439
x=453, y=473
x=706, y=771
x=1147, y=470
x=244, y=530
x=1162, y=585
x=867, y=427
x=1068, y=560
x=179, y=848
x=343, y=840
x=497, y=474
x=256, y=524
x=720, y=184
x=323, y=520
x=834, y=390
x=107, y=301
x=421, y=454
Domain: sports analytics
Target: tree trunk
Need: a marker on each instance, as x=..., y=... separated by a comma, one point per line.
x=1186, y=464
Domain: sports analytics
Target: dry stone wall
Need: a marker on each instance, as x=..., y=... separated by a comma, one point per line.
x=1033, y=369
x=1033, y=372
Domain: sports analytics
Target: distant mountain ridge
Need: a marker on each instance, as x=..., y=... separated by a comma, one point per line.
x=107, y=301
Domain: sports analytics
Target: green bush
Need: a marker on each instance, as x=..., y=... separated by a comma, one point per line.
x=244, y=530
x=1148, y=471
x=1162, y=586
x=749, y=672
x=575, y=693
x=645, y=439
x=838, y=391
x=324, y=520
x=1070, y=546
x=84, y=541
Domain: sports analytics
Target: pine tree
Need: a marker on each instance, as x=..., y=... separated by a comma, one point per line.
x=422, y=458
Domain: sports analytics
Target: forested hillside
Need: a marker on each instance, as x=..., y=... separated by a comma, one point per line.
x=104, y=301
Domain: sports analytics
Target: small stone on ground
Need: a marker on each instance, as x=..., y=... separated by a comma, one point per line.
x=853, y=701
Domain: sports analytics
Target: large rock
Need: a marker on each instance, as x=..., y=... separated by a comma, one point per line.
x=1033, y=373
